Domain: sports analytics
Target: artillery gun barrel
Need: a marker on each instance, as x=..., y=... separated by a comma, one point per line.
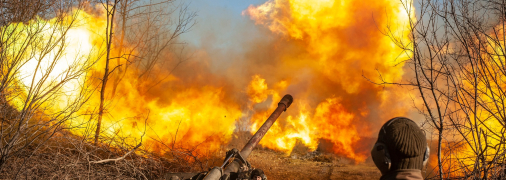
x=217, y=172
x=285, y=102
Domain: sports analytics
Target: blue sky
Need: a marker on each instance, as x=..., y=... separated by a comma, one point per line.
x=222, y=19
x=235, y=6
x=221, y=31
x=215, y=16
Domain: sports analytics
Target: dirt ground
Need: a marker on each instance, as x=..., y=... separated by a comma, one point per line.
x=277, y=165
x=303, y=164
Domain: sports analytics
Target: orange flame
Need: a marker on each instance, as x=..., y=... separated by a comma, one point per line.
x=337, y=43
x=188, y=117
x=309, y=129
x=320, y=55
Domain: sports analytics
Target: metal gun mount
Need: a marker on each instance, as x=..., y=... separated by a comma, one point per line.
x=235, y=165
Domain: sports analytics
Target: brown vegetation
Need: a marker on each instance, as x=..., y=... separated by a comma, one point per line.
x=38, y=140
x=457, y=61
x=66, y=156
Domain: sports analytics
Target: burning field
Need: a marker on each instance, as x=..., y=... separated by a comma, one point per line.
x=161, y=88
x=325, y=54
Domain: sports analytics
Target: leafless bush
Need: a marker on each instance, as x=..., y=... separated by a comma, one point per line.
x=37, y=139
x=29, y=81
x=457, y=59
x=151, y=30
x=69, y=156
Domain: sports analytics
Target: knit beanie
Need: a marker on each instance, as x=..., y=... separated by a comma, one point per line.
x=405, y=141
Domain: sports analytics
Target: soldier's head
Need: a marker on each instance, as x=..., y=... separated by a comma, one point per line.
x=258, y=174
x=401, y=144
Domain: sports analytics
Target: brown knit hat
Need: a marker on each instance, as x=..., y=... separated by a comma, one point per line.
x=406, y=143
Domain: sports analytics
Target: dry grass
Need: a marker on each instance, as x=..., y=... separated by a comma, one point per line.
x=67, y=157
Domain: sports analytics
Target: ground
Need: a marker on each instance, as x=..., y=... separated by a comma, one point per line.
x=303, y=163
x=277, y=165
x=57, y=159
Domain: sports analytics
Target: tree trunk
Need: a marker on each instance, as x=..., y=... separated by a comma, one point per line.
x=109, y=30
x=439, y=142
x=121, y=71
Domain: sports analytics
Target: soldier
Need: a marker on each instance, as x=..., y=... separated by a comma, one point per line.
x=258, y=174
x=401, y=150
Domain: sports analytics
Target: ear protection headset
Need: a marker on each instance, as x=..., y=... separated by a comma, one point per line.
x=380, y=154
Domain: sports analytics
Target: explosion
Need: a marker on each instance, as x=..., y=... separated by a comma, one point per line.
x=321, y=53
x=338, y=44
x=180, y=115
